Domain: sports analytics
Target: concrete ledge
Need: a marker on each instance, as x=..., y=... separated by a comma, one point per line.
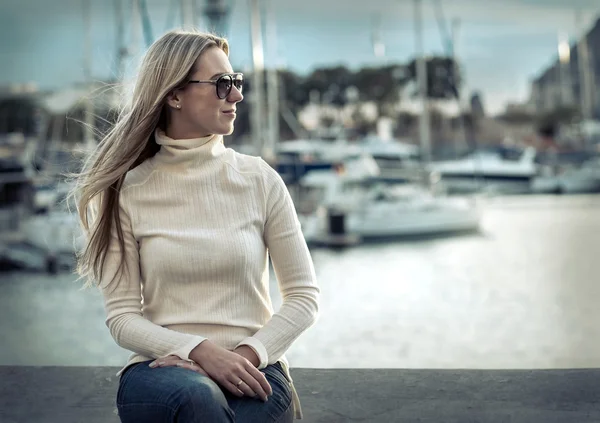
x=86, y=395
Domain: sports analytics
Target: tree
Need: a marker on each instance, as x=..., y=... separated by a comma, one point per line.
x=292, y=90
x=362, y=125
x=381, y=86
x=327, y=121
x=331, y=83
x=443, y=77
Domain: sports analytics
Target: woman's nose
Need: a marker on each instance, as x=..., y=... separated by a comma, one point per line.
x=235, y=95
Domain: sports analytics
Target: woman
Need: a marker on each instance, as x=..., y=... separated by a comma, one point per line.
x=178, y=231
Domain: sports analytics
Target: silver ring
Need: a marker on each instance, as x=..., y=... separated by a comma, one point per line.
x=239, y=383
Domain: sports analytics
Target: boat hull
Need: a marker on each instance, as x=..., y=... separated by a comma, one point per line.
x=390, y=221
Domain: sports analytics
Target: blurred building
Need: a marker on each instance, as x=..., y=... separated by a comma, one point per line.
x=19, y=110
x=477, y=107
x=560, y=85
x=526, y=108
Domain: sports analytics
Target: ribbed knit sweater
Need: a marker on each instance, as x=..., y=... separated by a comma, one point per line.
x=200, y=221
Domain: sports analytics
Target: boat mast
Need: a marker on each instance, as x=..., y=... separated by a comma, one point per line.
x=586, y=78
x=89, y=140
x=257, y=97
x=421, y=65
x=268, y=152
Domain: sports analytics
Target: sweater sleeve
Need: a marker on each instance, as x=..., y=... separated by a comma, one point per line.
x=123, y=302
x=294, y=271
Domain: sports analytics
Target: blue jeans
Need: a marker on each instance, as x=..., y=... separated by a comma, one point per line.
x=178, y=395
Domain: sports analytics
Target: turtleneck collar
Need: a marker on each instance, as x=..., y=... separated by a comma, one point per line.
x=187, y=150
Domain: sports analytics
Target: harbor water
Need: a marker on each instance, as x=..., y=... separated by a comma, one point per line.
x=522, y=293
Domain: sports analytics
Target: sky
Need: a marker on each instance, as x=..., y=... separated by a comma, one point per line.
x=502, y=44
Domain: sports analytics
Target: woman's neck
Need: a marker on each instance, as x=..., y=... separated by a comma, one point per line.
x=187, y=150
x=184, y=134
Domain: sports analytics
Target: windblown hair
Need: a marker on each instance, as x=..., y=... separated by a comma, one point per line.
x=166, y=66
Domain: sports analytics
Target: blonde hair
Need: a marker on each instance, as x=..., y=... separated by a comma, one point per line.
x=166, y=66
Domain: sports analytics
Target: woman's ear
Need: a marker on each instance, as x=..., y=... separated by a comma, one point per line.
x=174, y=100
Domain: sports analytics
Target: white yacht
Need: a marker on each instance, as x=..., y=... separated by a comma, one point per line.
x=56, y=232
x=572, y=180
x=55, y=236
x=489, y=170
x=396, y=160
x=355, y=204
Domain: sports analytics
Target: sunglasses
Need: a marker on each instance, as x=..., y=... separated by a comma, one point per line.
x=224, y=83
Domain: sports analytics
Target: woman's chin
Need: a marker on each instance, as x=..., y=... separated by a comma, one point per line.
x=222, y=129
x=228, y=130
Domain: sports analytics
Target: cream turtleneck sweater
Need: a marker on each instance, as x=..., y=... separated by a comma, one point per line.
x=199, y=222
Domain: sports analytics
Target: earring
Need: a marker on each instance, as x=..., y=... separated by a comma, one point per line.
x=179, y=106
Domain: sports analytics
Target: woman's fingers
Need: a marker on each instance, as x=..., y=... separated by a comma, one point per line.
x=174, y=361
x=233, y=388
x=249, y=385
x=260, y=378
x=192, y=366
x=245, y=388
x=160, y=362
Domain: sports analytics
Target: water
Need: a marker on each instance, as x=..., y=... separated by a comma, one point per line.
x=522, y=294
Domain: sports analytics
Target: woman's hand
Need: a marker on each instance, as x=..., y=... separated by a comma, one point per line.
x=248, y=353
x=232, y=371
x=174, y=361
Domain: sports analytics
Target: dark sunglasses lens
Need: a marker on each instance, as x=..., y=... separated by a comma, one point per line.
x=224, y=86
x=239, y=83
